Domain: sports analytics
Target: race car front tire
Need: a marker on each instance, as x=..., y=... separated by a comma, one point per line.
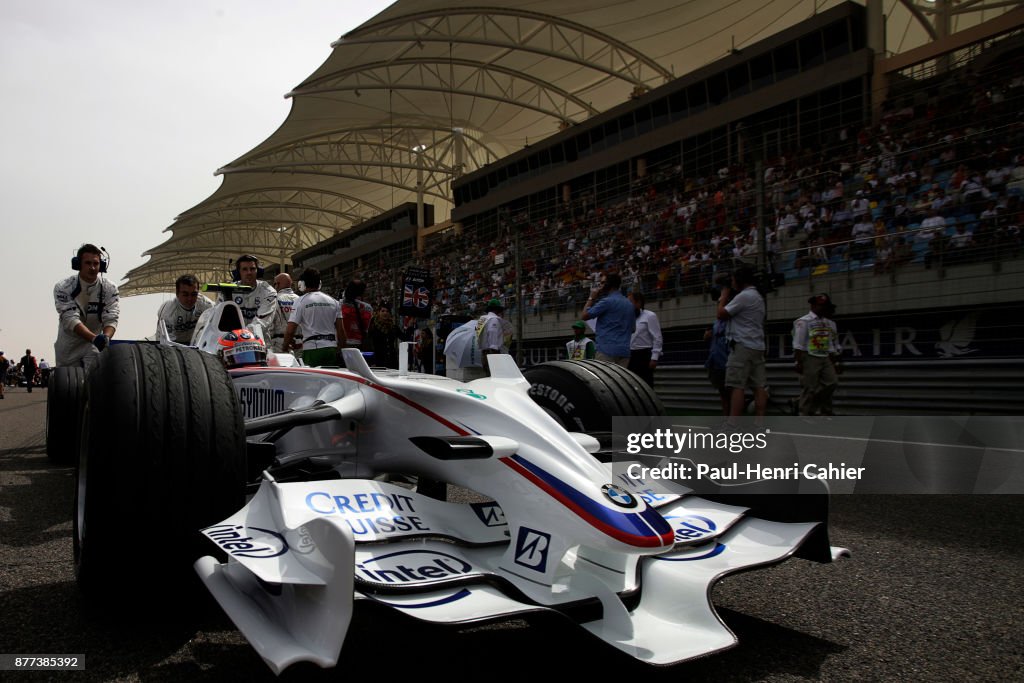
x=585, y=395
x=65, y=397
x=162, y=455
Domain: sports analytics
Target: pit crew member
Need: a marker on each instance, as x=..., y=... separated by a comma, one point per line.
x=181, y=313
x=319, y=317
x=260, y=303
x=87, y=308
x=286, y=299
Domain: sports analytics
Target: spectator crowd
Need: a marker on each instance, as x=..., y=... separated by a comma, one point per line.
x=937, y=181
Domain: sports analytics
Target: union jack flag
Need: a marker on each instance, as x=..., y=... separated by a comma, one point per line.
x=416, y=297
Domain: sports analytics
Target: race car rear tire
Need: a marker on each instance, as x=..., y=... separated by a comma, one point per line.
x=585, y=395
x=162, y=455
x=65, y=398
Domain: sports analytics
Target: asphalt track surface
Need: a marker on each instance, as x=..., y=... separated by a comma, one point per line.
x=934, y=592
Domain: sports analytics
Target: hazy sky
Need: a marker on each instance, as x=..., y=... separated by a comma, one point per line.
x=115, y=115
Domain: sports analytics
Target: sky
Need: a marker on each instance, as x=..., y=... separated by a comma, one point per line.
x=115, y=115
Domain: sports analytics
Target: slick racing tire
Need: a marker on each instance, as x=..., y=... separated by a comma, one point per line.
x=585, y=395
x=65, y=398
x=162, y=455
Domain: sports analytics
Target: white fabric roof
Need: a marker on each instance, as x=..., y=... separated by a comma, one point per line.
x=428, y=90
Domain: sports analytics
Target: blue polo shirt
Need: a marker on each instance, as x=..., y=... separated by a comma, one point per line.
x=616, y=320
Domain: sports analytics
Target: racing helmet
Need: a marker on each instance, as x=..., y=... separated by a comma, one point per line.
x=240, y=348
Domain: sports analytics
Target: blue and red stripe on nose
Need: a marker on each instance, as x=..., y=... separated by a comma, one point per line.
x=645, y=529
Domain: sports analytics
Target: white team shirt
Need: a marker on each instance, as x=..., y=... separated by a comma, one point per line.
x=315, y=313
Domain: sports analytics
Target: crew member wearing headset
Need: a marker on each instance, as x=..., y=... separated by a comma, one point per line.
x=318, y=316
x=88, y=309
x=260, y=303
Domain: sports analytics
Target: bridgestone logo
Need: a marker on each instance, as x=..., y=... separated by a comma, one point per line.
x=257, y=401
x=543, y=391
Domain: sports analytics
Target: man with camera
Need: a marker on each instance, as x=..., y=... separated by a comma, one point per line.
x=88, y=309
x=743, y=306
x=616, y=320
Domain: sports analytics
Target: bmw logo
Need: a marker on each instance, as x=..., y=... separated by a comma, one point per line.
x=619, y=496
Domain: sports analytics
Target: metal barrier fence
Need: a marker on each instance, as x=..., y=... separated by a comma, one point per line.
x=963, y=387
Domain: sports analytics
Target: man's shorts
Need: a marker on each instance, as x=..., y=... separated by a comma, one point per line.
x=745, y=368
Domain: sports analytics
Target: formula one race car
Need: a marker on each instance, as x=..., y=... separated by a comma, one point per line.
x=311, y=485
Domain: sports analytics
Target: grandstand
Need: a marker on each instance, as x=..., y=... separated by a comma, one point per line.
x=894, y=184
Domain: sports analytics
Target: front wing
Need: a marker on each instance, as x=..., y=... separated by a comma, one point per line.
x=300, y=554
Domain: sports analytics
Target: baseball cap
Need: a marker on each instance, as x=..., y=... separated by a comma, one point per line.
x=821, y=299
x=495, y=305
x=580, y=325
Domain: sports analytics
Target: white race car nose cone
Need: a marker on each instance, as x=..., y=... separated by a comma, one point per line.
x=619, y=496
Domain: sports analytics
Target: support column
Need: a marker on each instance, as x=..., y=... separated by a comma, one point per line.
x=876, y=41
x=419, y=189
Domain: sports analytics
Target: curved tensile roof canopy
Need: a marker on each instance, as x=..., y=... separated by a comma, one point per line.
x=427, y=91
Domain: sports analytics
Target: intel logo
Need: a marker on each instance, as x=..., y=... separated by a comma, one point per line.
x=412, y=567
x=241, y=541
x=691, y=527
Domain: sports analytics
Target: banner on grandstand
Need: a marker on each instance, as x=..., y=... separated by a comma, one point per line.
x=949, y=334
x=417, y=292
